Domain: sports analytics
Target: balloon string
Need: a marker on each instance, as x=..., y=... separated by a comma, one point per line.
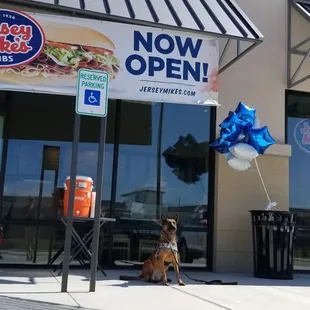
x=262, y=180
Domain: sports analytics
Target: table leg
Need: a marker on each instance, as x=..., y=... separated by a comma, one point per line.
x=82, y=263
x=81, y=246
x=56, y=256
x=79, y=240
x=85, y=250
x=77, y=249
x=85, y=240
x=50, y=245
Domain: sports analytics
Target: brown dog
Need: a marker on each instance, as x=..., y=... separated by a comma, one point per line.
x=155, y=268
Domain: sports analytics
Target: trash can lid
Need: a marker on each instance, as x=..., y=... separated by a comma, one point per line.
x=270, y=211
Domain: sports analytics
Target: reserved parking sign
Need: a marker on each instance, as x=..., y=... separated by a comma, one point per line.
x=92, y=93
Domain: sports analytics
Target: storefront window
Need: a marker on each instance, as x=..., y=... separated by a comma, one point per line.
x=298, y=136
x=166, y=173
x=156, y=161
x=41, y=126
x=1, y=135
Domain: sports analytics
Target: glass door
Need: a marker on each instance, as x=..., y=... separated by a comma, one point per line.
x=298, y=136
x=164, y=170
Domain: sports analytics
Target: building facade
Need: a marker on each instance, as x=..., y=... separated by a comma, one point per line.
x=261, y=80
x=213, y=201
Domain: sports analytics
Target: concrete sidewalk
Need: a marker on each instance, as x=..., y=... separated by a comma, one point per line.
x=30, y=289
x=11, y=303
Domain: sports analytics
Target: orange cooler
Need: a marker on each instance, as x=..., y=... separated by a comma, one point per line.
x=82, y=196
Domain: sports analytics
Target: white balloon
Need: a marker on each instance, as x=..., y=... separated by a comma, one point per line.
x=256, y=123
x=237, y=163
x=244, y=151
x=241, y=137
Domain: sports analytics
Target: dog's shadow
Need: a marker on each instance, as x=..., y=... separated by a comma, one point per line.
x=132, y=283
x=137, y=283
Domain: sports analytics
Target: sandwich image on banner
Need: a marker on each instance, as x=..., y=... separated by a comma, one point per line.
x=67, y=49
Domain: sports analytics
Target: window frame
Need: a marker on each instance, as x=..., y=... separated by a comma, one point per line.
x=6, y=112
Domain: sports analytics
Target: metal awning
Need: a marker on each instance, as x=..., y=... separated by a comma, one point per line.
x=218, y=18
x=301, y=48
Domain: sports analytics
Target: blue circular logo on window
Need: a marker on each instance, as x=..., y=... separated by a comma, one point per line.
x=302, y=134
x=21, y=39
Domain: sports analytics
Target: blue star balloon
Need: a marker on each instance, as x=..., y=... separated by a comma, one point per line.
x=230, y=119
x=231, y=133
x=231, y=127
x=222, y=145
x=260, y=139
x=246, y=116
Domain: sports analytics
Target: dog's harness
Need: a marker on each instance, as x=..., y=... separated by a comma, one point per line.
x=170, y=246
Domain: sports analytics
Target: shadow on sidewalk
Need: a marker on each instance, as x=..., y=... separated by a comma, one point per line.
x=10, y=303
x=36, y=277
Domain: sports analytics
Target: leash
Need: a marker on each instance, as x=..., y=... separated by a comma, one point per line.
x=212, y=282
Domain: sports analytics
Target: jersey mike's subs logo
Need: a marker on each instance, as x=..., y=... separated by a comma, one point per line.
x=64, y=49
x=302, y=134
x=21, y=39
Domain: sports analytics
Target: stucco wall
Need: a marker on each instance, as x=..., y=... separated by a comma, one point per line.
x=259, y=80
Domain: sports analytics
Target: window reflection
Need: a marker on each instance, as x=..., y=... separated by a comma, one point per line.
x=176, y=183
x=19, y=242
x=299, y=170
x=24, y=165
x=161, y=152
x=1, y=136
x=37, y=123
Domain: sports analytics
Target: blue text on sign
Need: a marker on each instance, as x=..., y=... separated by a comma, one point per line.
x=180, y=69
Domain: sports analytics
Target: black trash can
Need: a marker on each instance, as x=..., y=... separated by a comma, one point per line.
x=273, y=244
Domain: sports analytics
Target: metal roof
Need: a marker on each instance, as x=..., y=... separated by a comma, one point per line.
x=223, y=19
x=301, y=48
x=214, y=17
x=303, y=7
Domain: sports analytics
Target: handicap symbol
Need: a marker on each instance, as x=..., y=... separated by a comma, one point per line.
x=92, y=97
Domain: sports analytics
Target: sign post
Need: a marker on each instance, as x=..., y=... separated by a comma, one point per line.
x=74, y=157
x=96, y=232
x=92, y=99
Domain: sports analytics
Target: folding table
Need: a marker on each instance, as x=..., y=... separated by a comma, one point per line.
x=80, y=243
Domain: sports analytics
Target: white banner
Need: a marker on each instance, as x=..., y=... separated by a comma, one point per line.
x=43, y=53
